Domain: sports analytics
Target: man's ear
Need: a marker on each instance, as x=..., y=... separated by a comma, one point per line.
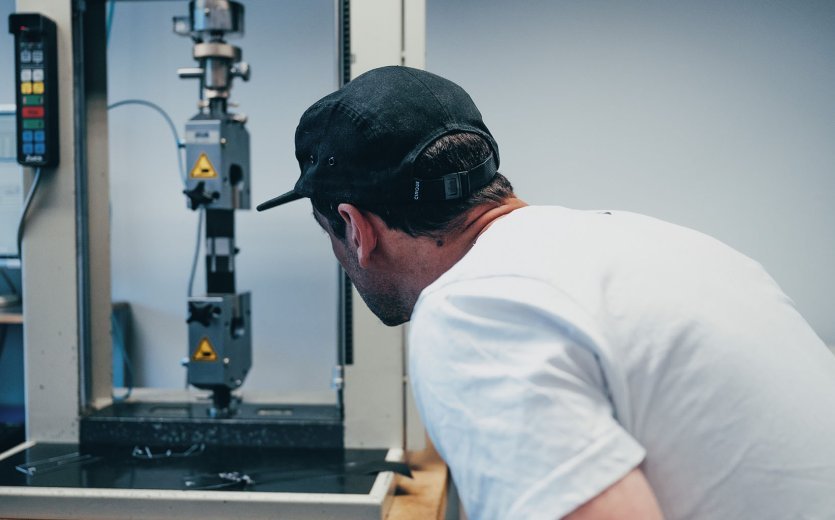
x=359, y=231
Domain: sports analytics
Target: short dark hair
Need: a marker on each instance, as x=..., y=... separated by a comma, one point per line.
x=450, y=153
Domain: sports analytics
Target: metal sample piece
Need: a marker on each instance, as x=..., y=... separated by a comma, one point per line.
x=217, y=154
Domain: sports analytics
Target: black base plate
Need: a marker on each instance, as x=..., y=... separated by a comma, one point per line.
x=184, y=424
x=268, y=470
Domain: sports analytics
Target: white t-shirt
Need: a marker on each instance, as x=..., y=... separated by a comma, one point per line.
x=568, y=347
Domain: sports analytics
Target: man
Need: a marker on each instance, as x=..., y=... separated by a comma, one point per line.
x=578, y=364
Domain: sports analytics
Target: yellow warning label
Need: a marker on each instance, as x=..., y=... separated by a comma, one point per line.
x=203, y=168
x=205, y=351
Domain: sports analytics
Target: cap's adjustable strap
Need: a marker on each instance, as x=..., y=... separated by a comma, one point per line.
x=454, y=185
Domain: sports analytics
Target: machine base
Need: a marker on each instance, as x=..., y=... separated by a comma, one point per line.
x=170, y=424
x=115, y=483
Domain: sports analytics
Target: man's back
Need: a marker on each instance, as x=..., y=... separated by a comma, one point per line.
x=568, y=346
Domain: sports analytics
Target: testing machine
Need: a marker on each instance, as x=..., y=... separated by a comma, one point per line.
x=87, y=456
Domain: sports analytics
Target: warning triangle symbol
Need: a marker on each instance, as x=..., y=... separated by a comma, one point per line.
x=203, y=168
x=205, y=351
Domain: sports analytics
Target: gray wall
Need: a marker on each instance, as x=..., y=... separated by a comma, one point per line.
x=717, y=115
x=285, y=259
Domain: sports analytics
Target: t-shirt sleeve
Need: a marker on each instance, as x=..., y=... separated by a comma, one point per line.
x=512, y=393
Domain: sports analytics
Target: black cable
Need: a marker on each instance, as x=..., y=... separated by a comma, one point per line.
x=3, y=328
x=119, y=339
x=26, y=205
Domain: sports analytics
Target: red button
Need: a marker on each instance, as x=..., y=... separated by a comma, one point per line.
x=32, y=112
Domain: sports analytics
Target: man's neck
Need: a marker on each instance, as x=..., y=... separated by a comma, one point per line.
x=426, y=259
x=482, y=218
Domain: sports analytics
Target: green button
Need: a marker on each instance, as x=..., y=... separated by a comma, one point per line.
x=32, y=124
x=33, y=100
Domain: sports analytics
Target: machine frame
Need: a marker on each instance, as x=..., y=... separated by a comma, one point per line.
x=66, y=259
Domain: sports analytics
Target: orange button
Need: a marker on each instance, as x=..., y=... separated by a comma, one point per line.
x=32, y=112
x=26, y=88
x=37, y=87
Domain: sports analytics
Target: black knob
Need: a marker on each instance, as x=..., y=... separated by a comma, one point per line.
x=202, y=314
x=198, y=195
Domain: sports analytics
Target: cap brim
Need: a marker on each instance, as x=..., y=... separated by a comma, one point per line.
x=290, y=196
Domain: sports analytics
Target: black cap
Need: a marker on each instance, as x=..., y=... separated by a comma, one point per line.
x=360, y=143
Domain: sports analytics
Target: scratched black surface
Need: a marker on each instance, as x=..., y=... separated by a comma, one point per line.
x=272, y=470
x=182, y=424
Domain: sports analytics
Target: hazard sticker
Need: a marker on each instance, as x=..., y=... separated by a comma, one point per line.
x=205, y=351
x=203, y=168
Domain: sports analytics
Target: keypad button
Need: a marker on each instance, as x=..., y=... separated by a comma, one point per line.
x=32, y=112
x=37, y=56
x=40, y=136
x=33, y=100
x=25, y=57
x=26, y=136
x=40, y=148
x=33, y=124
x=37, y=87
x=28, y=148
x=37, y=74
x=26, y=88
x=26, y=75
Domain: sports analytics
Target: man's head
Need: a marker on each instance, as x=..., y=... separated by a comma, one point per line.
x=416, y=235
x=395, y=159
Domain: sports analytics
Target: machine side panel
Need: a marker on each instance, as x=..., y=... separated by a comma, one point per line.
x=50, y=300
x=375, y=394
x=100, y=362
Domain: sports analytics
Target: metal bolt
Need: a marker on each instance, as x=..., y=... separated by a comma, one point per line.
x=226, y=361
x=184, y=362
x=223, y=141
